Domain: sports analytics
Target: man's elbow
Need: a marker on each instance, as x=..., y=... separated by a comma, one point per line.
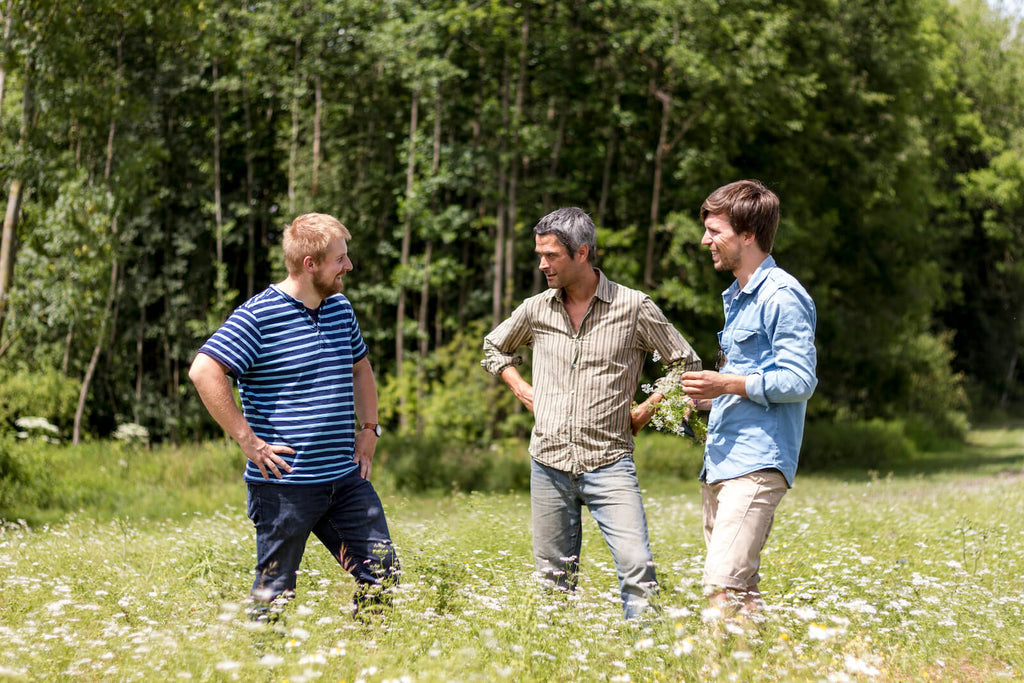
x=194, y=370
x=203, y=367
x=792, y=389
x=804, y=388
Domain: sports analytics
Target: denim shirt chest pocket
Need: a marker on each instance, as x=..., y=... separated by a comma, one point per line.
x=744, y=349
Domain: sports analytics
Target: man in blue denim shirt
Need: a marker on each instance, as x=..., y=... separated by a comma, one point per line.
x=759, y=396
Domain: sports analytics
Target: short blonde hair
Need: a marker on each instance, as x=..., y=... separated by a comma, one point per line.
x=309, y=235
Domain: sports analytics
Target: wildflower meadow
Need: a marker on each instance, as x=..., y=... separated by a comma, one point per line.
x=904, y=576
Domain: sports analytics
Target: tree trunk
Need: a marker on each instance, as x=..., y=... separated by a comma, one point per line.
x=410, y=179
x=424, y=336
x=1004, y=399
x=423, y=331
x=9, y=236
x=609, y=159
x=513, y=185
x=90, y=372
x=3, y=60
x=65, y=365
x=317, y=121
x=556, y=153
x=250, y=201
x=293, y=150
x=502, y=207
x=139, y=361
x=110, y=308
x=659, y=157
x=220, y=277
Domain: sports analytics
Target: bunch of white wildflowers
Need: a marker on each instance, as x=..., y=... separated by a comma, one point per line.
x=676, y=413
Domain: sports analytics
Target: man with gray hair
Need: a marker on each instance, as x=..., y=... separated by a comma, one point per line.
x=590, y=337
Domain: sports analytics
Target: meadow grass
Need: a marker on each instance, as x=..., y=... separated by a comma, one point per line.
x=905, y=576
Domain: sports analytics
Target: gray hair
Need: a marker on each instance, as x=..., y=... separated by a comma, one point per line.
x=572, y=228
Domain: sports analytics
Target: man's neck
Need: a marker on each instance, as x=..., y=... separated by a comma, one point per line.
x=582, y=291
x=751, y=262
x=301, y=290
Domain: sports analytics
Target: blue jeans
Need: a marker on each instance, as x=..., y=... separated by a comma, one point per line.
x=346, y=515
x=612, y=494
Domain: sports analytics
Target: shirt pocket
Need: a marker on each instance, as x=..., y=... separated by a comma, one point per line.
x=745, y=352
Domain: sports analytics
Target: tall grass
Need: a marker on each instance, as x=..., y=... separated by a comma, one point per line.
x=903, y=576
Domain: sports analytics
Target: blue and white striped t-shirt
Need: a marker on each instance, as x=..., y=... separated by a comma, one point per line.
x=294, y=377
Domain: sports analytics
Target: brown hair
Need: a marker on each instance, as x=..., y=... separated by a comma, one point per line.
x=750, y=207
x=310, y=235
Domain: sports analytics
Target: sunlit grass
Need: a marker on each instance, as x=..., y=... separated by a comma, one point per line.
x=904, y=577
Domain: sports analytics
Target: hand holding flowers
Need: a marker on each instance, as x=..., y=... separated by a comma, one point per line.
x=676, y=412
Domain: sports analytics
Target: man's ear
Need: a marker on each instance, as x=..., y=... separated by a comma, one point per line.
x=309, y=264
x=583, y=252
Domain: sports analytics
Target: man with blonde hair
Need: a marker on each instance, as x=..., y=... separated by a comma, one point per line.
x=308, y=423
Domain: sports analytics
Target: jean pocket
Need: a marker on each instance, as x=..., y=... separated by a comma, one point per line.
x=252, y=504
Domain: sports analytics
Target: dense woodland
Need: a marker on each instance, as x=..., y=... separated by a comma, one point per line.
x=152, y=153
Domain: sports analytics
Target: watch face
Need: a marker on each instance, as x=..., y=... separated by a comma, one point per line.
x=376, y=430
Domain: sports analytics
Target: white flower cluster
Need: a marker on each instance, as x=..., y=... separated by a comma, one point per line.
x=676, y=413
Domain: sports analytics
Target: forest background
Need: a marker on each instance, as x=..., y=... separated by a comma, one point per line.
x=151, y=154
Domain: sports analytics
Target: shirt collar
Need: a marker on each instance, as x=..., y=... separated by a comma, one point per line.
x=755, y=280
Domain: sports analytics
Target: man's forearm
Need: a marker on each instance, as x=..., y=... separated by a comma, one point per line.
x=214, y=390
x=364, y=392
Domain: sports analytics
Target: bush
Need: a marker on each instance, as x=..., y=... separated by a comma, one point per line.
x=861, y=444
x=41, y=483
x=659, y=454
x=47, y=394
x=450, y=398
x=417, y=464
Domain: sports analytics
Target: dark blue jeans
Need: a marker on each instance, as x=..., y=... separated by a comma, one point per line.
x=346, y=515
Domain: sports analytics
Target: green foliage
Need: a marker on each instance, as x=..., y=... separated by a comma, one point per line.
x=420, y=464
x=666, y=456
x=46, y=393
x=448, y=397
x=41, y=483
x=890, y=130
x=860, y=445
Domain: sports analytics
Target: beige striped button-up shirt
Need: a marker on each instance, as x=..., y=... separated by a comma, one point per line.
x=584, y=381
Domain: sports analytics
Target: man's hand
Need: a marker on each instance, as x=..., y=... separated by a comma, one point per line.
x=366, y=445
x=265, y=456
x=214, y=387
x=708, y=384
x=641, y=414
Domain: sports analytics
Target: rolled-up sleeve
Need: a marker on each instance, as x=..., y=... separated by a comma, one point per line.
x=501, y=344
x=790, y=321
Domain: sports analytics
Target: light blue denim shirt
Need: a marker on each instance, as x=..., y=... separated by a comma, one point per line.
x=769, y=337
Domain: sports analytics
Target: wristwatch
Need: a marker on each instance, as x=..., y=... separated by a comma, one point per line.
x=374, y=426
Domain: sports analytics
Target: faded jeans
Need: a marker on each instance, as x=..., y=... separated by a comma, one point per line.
x=612, y=494
x=346, y=515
